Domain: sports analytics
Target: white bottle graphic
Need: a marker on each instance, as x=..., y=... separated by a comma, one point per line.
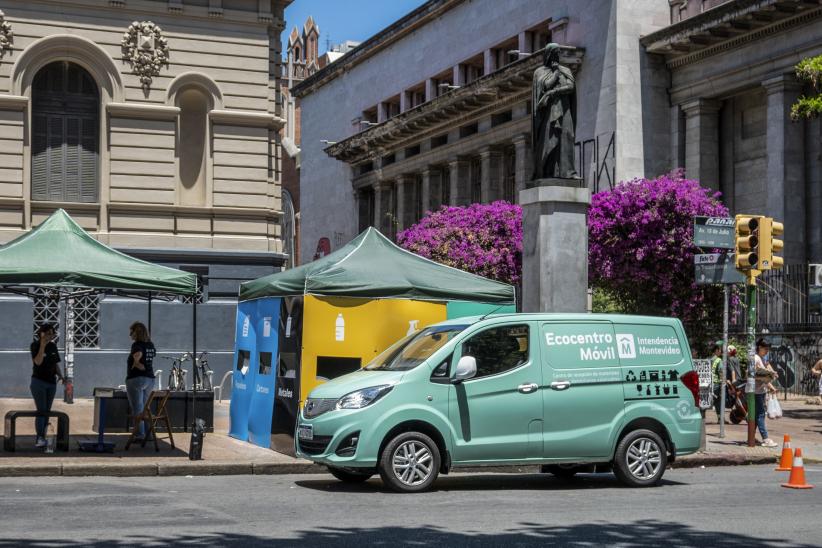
x=246, y=324
x=412, y=326
x=339, y=328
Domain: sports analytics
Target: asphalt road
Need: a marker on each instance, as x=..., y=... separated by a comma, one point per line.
x=699, y=507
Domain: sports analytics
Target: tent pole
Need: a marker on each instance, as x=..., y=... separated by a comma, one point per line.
x=149, y=311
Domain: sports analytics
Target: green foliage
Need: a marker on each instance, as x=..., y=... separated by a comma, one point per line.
x=605, y=302
x=809, y=70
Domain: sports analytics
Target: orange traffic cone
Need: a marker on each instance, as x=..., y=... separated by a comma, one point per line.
x=787, y=456
x=797, y=479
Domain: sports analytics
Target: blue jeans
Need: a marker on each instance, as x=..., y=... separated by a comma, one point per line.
x=759, y=409
x=138, y=390
x=43, y=394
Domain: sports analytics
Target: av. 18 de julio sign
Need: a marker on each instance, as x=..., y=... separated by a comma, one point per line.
x=714, y=232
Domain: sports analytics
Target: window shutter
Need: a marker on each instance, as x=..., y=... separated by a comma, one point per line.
x=39, y=158
x=71, y=184
x=56, y=157
x=88, y=160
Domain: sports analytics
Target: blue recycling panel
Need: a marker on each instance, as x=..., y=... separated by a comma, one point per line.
x=262, y=399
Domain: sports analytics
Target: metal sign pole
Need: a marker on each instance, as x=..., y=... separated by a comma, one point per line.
x=750, y=384
x=723, y=375
x=68, y=383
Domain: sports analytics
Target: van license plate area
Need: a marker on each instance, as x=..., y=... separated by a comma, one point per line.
x=305, y=432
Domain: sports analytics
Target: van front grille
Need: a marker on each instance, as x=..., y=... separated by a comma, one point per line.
x=314, y=407
x=317, y=446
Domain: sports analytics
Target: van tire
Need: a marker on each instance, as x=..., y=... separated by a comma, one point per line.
x=400, y=445
x=645, y=451
x=350, y=475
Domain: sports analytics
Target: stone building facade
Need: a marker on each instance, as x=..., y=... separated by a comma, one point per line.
x=732, y=84
x=435, y=109
x=155, y=124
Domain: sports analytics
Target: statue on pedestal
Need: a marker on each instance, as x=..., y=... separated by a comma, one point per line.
x=553, y=118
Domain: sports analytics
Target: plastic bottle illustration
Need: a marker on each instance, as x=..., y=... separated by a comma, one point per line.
x=246, y=324
x=412, y=326
x=339, y=328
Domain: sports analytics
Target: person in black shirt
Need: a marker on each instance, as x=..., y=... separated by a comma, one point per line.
x=44, y=375
x=139, y=371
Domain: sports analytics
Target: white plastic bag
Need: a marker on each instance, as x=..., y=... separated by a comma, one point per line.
x=774, y=409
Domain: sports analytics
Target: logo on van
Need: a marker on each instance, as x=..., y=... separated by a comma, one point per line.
x=625, y=345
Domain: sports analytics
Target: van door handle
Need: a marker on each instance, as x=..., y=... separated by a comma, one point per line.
x=561, y=385
x=527, y=388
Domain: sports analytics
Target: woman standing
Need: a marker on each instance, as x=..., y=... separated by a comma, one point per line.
x=764, y=375
x=44, y=375
x=140, y=373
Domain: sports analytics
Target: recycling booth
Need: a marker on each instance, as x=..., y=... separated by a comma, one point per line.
x=304, y=326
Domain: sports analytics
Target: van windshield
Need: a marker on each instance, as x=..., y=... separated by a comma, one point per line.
x=408, y=353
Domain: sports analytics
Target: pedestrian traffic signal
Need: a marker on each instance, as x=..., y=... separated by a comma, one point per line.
x=747, y=242
x=768, y=228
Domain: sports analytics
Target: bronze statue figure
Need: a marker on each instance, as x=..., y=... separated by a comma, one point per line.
x=554, y=115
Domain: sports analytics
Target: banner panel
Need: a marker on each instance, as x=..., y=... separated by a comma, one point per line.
x=287, y=396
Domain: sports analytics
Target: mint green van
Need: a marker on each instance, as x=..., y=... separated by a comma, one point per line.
x=571, y=392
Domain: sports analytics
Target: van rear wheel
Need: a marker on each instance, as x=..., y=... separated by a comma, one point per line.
x=350, y=475
x=410, y=462
x=640, y=459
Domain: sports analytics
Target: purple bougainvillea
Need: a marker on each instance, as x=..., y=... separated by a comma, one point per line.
x=485, y=239
x=641, y=247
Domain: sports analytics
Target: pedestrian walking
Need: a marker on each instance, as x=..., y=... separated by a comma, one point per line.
x=140, y=371
x=716, y=374
x=733, y=362
x=763, y=375
x=44, y=375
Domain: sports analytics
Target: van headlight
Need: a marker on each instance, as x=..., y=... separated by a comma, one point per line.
x=363, y=398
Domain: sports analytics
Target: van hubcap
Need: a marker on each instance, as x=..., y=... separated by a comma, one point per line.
x=644, y=458
x=412, y=462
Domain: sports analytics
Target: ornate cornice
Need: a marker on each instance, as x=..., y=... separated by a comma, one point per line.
x=508, y=85
x=142, y=111
x=245, y=118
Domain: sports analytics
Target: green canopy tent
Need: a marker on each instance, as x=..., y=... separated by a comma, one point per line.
x=373, y=267
x=59, y=254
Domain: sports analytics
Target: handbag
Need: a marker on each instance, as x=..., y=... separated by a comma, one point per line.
x=774, y=409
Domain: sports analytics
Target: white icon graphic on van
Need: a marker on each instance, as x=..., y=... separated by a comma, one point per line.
x=625, y=345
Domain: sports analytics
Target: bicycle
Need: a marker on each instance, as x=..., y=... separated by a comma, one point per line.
x=202, y=372
x=176, y=375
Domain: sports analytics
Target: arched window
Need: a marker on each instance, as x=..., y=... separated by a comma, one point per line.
x=193, y=140
x=65, y=134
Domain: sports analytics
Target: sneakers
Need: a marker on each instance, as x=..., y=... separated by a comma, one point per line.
x=41, y=442
x=769, y=443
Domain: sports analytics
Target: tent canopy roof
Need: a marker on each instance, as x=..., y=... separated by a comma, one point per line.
x=59, y=253
x=371, y=266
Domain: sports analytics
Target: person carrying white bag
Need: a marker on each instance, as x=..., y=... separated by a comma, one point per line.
x=774, y=408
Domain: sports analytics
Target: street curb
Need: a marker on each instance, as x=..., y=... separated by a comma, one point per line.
x=204, y=468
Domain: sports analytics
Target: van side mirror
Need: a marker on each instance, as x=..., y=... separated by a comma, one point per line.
x=466, y=369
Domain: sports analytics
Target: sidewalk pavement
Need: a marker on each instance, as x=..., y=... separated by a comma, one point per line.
x=223, y=455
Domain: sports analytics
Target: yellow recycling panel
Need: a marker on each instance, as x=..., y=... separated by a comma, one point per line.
x=342, y=334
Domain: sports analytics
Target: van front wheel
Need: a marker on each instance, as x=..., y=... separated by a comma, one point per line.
x=410, y=462
x=640, y=459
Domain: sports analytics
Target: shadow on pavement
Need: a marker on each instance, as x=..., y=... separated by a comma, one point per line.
x=24, y=447
x=481, y=482
x=630, y=535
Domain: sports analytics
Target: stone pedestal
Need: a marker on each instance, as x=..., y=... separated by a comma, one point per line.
x=555, y=246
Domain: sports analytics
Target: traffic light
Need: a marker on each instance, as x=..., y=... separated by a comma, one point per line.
x=768, y=245
x=747, y=242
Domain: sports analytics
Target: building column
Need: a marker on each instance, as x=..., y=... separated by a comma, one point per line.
x=401, y=187
x=404, y=100
x=458, y=75
x=430, y=89
x=460, y=193
x=382, y=114
x=522, y=173
x=702, y=141
x=524, y=42
x=785, y=179
x=489, y=64
x=382, y=206
x=677, y=137
x=428, y=184
x=490, y=174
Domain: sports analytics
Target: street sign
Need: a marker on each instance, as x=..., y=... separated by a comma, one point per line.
x=716, y=268
x=715, y=232
x=706, y=388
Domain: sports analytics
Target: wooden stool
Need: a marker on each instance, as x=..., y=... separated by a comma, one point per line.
x=161, y=397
